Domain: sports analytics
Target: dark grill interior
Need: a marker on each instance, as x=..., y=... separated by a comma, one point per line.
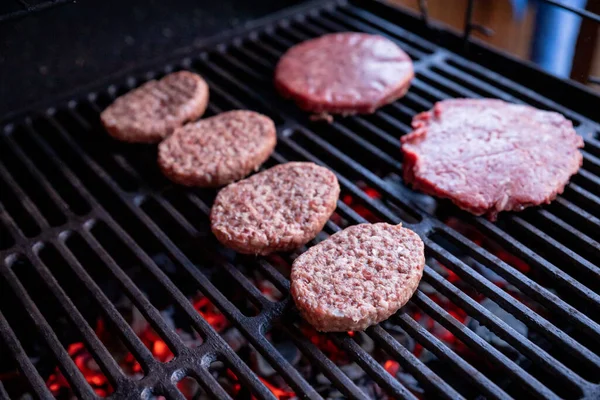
x=112, y=285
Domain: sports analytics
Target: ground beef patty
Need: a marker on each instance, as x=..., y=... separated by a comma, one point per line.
x=489, y=156
x=279, y=209
x=358, y=277
x=344, y=73
x=218, y=150
x=154, y=110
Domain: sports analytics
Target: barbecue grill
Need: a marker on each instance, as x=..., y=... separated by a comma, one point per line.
x=111, y=284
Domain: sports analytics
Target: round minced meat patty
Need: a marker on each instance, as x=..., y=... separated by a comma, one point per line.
x=344, y=73
x=153, y=111
x=357, y=277
x=279, y=209
x=218, y=150
x=489, y=156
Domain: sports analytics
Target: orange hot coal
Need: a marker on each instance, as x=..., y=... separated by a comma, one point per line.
x=84, y=361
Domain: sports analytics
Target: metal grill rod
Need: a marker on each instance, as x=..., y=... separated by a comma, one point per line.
x=24, y=363
x=446, y=320
x=517, y=339
x=241, y=322
x=147, y=309
x=304, y=38
x=67, y=366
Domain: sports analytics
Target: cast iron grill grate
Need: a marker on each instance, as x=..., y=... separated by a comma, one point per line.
x=14, y=9
x=87, y=222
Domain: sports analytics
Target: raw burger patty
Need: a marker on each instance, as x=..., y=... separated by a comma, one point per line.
x=279, y=209
x=344, y=73
x=154, y=110
x=358, y=277
x=218, y=150
x=489, y=156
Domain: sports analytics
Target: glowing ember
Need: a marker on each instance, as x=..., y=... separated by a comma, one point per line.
x=236, y=386
x=325, y=345
x=210, y=313
x=88, y=367
x=360, y=209
x=57, y=383
x=279, y=393
x=392, y=367
x=481, y=240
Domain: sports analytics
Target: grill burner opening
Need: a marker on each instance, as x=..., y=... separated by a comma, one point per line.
x=112, y=285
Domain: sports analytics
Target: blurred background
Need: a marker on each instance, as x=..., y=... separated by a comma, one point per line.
x=557, y=40
x=74, y=43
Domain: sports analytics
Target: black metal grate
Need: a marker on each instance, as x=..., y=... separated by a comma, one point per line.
x=86, y=221
x=14, y=9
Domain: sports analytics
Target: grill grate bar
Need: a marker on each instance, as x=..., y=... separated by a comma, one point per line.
x=38, y=176
x=255, y=295
x=282, y=284
x=449, y=70
x=525, y=314
x=347, y=343
x=380, y=23
x=343, y=23
x=347, y=133
x=441, y=351
x=346, y=184
x=381, y=134
x=27, y=203
x=9, y=222
x=592, y=164
x=447, y=321
x=588, y=246
x=171, y=392
x=527, y=286
x=413, y=364
x=583, y=219
x=261, y=62
x=24, y=363
x=480, y=379
x=508, y=303
x=258, y=42
x=584, y=197
x=237, y=72
x=372, y=367
x=327, y=367
x=531, y=258
x=67, y=366
x=137, y=297
x=370, y=177
x=250, y=72
x=242, y=323
x=373, y=180
x=209, y=384
x=126, y=333
x=241, y=86
x=500, y=328
x=105, y=361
